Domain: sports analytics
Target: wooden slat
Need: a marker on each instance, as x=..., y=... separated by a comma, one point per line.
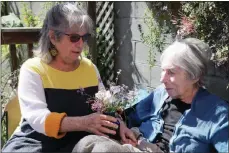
x=106, y=16
x=109, y=58
x=108, y=28
x=30, y=50
x=99, y=6
x=92, y=13
x=19, y=35
x=14, y=60
x=108, y=48
x=101, y=13
x=109, y=24
x=111, y=45
x=111, y=34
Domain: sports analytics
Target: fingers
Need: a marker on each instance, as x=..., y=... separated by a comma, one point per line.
x=129, y=141
x=108, y=118
x=130, y=135
x=109, y=124
x=123, y=133
x=132, y=143
x=123, y=136
x=127, y=135
x=106, y=130
x=123, y=130
x=100, y=133
x=101, y=124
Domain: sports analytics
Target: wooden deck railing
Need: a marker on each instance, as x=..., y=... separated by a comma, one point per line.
x=22, y=35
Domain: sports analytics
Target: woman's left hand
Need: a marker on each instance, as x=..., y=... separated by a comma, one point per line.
x=127, y=135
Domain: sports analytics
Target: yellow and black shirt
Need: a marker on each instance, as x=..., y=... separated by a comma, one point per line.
x=46, y=95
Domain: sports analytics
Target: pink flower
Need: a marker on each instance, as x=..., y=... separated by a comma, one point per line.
x=97, y=106
x=185, y=24
x=115, y=99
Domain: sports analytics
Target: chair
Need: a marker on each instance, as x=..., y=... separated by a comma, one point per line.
x=11, y=116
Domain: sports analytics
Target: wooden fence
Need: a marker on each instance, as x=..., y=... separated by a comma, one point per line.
x=105, y=40
x=22, y=35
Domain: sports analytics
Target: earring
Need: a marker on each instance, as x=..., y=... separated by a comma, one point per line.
x=53, y=52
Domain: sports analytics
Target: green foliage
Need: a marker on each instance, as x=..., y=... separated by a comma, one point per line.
x=11, y=20
x=212, y=19
x=3, y=8
x=156, y=19
x=86, y=53
x=47, y=6
x=5, y=57
x=3, y=130
x=8, y=86
x=152, y=38
x=103, y=57
x=221, y=58
x=4, y=51
x=211, y=24
x=207, y=21
x=28, y=17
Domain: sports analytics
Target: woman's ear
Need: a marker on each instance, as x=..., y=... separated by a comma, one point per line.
x=52, y=37
x=195, y=80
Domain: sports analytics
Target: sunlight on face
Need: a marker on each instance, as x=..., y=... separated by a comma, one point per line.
x=176, y=81
x=70, y=51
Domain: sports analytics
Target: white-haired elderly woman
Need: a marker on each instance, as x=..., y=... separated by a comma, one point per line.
x=55, y=115
x=178, y=116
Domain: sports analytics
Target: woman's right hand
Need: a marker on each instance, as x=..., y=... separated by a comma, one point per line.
x=127, y=136
x=100, y=124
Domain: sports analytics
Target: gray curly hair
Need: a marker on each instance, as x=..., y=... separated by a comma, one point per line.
x=59, y=18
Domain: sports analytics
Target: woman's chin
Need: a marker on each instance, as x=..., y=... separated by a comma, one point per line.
x=75, y=57
x=172, y=94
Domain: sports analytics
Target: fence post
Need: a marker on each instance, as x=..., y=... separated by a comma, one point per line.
x=13, y=54
x=30, y=50
x=91, y=9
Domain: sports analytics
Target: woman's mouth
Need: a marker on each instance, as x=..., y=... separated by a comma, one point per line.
x=76, y=52
x=168, y=89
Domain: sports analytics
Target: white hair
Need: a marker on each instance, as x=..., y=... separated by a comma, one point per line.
x=189, y=54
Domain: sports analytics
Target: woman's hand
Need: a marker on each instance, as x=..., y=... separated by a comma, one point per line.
x=127, y=135
x=99, y=124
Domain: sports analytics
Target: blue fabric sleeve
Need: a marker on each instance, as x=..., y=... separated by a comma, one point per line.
x=141, y=112
x=219, y=132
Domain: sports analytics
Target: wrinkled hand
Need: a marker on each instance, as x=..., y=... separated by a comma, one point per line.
x=100, y=124
x=127, y=135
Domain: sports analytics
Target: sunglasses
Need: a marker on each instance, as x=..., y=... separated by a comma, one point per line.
x=75, y=37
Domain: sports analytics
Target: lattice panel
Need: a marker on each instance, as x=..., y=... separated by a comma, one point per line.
x=105, y=40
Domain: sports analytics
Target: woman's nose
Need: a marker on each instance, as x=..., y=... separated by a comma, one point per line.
x=79, y=43
x=163, y=77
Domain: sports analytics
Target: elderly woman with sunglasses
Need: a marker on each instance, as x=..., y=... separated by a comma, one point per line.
x=55, y=115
